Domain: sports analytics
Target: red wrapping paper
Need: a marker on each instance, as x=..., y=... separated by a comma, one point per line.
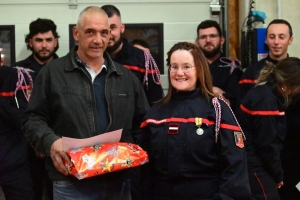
x=105, y=158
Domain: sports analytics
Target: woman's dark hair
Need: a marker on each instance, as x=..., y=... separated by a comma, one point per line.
x=286, y=72
x=204, y=80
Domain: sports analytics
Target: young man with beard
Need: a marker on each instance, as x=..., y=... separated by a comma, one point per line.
x=42, y=40
x=279, y=36
x=132, y=58
x=224, y=73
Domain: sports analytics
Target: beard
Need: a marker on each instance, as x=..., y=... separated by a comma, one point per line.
x=41, y=57
x=113, y=48
x=213, y=52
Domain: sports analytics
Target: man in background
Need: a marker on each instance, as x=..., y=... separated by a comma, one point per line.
x=279, y=35
x=15, y=177
x=42, y=41
x=225, y=73
x=133, y=58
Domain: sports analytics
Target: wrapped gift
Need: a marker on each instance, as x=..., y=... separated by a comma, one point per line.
x=104, y=158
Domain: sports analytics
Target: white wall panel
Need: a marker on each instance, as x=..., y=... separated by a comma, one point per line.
x=180, y=18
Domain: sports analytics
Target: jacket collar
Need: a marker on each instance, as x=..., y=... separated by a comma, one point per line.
x=76, y=62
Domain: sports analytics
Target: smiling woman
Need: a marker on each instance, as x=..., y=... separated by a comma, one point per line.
x=184, y=120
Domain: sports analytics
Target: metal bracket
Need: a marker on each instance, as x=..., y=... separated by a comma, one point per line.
x=72, y=4
x=215, y=7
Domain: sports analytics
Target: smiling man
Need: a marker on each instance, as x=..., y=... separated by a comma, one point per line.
x=225, y=76
x=80, y=95
x=42, y=40
x=279, y=36
x=122, y=52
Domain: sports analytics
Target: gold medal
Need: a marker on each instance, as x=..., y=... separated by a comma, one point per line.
x=198, y=123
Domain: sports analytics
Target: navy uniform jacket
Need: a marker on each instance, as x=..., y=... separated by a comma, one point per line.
x=32, y=64
x=134, y=59
x=290, y=155
x=13, y=150
x=249, y=77
x=226, y=80
x=185, y=165
x=262, y=118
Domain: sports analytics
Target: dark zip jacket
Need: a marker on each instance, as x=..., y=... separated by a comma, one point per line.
x=63, y=104
x=186, y=165
x=249, y=77
x=262, y=117
x=32, y=64
x=134, y=59
x=13, y=149
x=226, y=77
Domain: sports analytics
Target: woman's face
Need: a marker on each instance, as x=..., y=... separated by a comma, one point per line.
x=182, y=71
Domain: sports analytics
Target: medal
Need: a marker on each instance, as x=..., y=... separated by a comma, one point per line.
x=199, y=131
x=198, y=123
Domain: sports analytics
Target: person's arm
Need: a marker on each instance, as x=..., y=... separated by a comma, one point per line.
x=147, y=177
x=234, y=182
x=35, y=122
x=267, y=138
x=231, y=87
x=141, y=107
x=246, y=82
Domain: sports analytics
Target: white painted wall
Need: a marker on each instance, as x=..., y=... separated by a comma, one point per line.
x=180, y=18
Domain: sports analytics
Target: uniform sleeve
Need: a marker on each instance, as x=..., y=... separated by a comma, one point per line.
x=147, y=177
x=232, y=85
x=266, y=138
x=141, y=107
x=36, y=117
x=246, y=82
x=234, y=182
x=152, y=87
x=9, y=115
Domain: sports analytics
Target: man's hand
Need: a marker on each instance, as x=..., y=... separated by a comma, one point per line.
x=57, y=155
x=279, y=185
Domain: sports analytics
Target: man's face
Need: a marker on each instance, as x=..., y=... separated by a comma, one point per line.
x=278, y=39
x=210, y=41
x=43, y=45
x=92, y=35
x=117, y=29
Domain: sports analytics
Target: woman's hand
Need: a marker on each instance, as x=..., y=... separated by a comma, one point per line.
x=279, y=185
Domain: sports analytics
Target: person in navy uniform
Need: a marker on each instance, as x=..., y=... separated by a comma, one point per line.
x=188, y=158
x=279, y=36
x=15, y=177
x=225, y=72
x=124, y=53
x=262, y=118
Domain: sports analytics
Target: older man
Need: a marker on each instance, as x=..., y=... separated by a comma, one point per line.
x=82, y=95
